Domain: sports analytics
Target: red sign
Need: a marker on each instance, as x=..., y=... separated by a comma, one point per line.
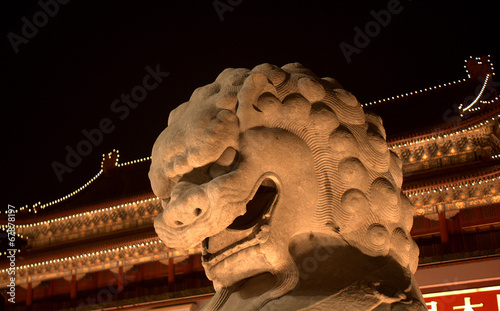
x=475, y=299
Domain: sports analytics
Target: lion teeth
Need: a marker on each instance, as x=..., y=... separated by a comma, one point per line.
x=263, y=235
x=215, y=260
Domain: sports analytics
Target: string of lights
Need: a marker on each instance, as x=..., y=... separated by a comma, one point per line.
x=87, y=213
x=35, y=207
x=5, y=253
x=487, y=102
x=110, y=251
x=478, y=95
x=475, y=109
x=85, y=255
x=134, y=161
x=434, y=136
x=42, y=206
x=412, y=93
x=459, y=185
x=17, y=233
x=435, y=87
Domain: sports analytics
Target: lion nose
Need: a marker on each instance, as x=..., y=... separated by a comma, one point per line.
x=181, y=217
x=188, y=203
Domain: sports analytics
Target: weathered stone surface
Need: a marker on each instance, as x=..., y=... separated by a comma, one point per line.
x=291, y=190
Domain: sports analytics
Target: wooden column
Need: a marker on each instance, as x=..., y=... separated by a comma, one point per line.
x=51, y=288
x=189, y=272
x=29, y=295
x=140, y=274
x=190, y=264
x=479, y=246
x=443, y=228
x=120, y=278
x=494, y=244
x=51, y=292
x=171, y=274
x=73, y=286
x=95, y=276
x=140, y=279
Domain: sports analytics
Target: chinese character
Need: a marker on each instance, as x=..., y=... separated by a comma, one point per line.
x=433, y=305
x=467, y=306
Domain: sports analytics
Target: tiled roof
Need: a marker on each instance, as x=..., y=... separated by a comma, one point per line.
x=451, y=174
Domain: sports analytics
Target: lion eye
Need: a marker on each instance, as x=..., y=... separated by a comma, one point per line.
x=224, y=164
x=228, y=157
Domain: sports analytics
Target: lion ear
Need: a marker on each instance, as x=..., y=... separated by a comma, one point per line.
x=275, y=74
x=253, y=87
x=331, y=83
x=176, y=113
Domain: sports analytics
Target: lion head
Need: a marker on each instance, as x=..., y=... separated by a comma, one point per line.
x=261, y=156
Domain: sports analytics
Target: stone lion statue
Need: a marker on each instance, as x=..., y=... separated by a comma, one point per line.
x=291, y=190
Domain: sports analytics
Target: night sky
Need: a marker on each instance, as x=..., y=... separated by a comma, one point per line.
x=64, y=79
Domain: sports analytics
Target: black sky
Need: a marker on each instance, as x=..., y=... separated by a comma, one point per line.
x=65, y=78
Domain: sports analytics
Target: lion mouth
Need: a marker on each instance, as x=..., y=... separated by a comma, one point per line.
x=246, y=230
x=257, y=207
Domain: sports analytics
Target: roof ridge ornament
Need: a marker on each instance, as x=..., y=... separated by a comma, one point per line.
x=110, y=161
x=479, y=67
